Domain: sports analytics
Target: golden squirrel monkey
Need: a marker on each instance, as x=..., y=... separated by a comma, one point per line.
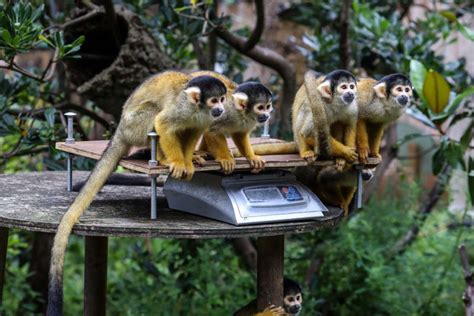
x=249, y=104
x=292, y=303
x=380, y=103
x=333, y=186
x=180, y=108
x=324, y=105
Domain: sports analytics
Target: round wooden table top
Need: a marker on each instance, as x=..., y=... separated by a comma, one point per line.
x=36, y=202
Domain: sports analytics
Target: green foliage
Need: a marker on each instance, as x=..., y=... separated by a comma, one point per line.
x=21, y=31
x=354, y=275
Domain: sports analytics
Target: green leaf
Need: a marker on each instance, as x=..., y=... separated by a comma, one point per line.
x=470, y=178
x=465, y=31
x=79, y=41
x=453, y=106
x=6, y=36
x=417, y=76
x=449, y=15
x=46, y=40
x=436, y=91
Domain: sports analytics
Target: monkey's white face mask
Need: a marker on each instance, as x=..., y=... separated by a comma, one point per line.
x=399, y=94
x=345, y=92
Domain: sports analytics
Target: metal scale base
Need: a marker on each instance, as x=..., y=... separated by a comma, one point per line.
x=244, y=198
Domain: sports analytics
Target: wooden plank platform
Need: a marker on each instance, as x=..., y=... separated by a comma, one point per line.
x=36, y=202
x=94, y=150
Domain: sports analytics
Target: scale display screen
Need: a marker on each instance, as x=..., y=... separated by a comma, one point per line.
x=274, y=193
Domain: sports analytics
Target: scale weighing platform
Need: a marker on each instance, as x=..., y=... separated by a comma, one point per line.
x=240, y=199
x=244, y=198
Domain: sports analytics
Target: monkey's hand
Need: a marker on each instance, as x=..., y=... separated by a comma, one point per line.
x=378, y=156
x=199, y=158
x=340, y=164
x=350, y=154
x=363, y=154
x=227, y=164
x=272, y=311
x=309, y=155
x=256, y=163
x=178, y=170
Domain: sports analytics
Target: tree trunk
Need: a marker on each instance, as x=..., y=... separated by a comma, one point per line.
x=107, y=74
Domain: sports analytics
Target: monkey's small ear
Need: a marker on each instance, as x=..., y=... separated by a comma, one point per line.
x=240, y=100
x=193, y=94
x=381, y=90
x=325, y=89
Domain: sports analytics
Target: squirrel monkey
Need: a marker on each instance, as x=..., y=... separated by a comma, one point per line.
x=380, y=103
x=249, y=104
x=324, y=105
x=334, y=187
x=292, y=303
x=179, y=108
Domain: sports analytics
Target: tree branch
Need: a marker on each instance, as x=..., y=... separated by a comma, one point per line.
x=272, y=59
x=259, y=27
x=244, y=248
x=344, y=53
x=427, y=206
x=111, y=19
x=468, y=295
x=202, y=58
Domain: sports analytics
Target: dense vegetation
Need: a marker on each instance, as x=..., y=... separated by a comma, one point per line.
x=349, y=270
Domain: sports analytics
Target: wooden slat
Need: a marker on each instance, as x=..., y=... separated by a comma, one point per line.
x=94, y=150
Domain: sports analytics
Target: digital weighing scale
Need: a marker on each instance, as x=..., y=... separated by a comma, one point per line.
x=244, y=198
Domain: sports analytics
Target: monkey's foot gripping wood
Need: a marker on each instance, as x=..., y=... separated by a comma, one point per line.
x=94, y=150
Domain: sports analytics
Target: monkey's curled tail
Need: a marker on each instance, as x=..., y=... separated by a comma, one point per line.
x=320, y=121
x=105, y=166
x=282, y=148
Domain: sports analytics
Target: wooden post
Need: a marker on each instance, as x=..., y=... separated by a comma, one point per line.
x=38, y=270
x=95, y=276
x=3, y=258
x=270, y=251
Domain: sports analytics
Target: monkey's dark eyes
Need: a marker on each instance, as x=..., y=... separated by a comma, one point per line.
x=291, y=299
x=268, y=106
x=260, y=107
x=344, y=87
x=352, y=86
x=298, y=298
x=399, y=89
x=222, y=99
x=214, y=100
x=407, y=89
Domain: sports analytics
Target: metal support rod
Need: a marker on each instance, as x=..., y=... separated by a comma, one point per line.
x=69, y=159
x=153, y=163
x=360, y=186
x=154, y=212
x=95, y=276
x=70, y=140
x=266, y=132
x=270, y=251
x=70, y=127
x=3, y=258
